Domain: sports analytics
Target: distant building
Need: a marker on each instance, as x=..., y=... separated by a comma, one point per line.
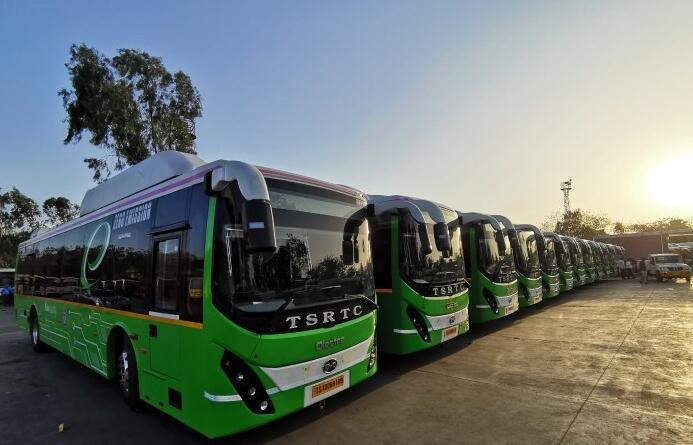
x=641, y=244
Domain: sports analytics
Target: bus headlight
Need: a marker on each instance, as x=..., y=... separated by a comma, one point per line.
x=373, y=356
x=247, y=384
x=419, y=323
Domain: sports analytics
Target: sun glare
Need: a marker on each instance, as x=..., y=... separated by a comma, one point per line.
x=671, y=183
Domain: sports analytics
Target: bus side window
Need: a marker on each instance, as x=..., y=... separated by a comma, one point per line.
x=166, y=273
x=195, y=252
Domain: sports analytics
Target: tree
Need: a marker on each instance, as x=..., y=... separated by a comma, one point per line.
x=131, y=106
x=619, y=228
x=19, y=215
x=58, y=211
x=662, y=224
x=582, y=224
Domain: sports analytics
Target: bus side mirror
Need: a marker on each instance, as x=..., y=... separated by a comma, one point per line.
x=500, y=239
x=258, y=222
x=347, y=252
x=423, y=239
x=442, y=237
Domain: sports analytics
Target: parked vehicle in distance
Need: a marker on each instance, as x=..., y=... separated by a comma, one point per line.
x=526, y=257
x=7, y=286
x=665, y=266
x=565, y=264
x=222, y=294
x=422, y=292
x=547, y=260
x=490, y=268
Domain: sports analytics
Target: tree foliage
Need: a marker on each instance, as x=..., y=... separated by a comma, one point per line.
x=18, y=213
x=58, y=211
x=582, y=224
x=662, y=224
x=131, y=106
x=19, y=216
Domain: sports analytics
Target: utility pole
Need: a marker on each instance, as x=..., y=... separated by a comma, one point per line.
x=566, y=187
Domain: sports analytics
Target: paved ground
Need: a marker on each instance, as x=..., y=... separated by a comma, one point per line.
x=611, y=363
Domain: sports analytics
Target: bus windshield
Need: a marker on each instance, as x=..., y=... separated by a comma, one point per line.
x=562, y=254
x=308, y=268
x=529, y=256
x=495, y=262
x=549, y=258
x=575, y=255
x=426, y=272
x=587, y=254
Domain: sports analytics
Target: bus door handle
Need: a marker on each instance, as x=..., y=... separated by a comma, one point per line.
x=152, y=330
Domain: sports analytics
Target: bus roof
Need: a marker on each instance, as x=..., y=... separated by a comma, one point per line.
x=158, y=175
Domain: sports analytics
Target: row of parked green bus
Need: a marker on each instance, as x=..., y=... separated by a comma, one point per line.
x=229, y=295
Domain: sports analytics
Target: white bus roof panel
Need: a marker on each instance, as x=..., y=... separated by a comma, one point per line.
x=141, y=176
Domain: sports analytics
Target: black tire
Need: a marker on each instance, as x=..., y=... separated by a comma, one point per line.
x=659, y=277
x=35, y=333
x=126, y=374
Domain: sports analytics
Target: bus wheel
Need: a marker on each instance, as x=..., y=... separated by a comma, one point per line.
x=127, y=374
x=35, y=333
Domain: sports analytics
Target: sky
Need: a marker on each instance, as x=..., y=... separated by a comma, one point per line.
x=483, y=106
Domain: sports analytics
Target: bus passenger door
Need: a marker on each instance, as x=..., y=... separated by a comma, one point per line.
x=164, y=344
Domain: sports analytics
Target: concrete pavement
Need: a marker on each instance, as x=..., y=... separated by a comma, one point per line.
x=609, y=363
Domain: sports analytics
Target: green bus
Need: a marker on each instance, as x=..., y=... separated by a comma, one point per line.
x=565, y=263
x=223, y=294
x=599, y=262
x=573, y=249
x=526, y=256
x=613, y=253
x=421, y=286
x=547, y=258
x=588, y=259
x=490, y=268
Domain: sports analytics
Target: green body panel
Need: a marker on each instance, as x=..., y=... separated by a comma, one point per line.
x=186, y=356
x=590, y=274
x=550, y=285
x=479, y=308
x=566, y=280
x=396, y=331
x=530, y=292
x=579, y=277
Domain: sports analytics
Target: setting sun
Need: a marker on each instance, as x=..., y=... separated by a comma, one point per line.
x=669, y=183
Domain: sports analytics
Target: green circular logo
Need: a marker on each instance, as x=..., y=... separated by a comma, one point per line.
x=102, y=237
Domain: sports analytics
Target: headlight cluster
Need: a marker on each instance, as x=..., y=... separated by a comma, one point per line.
x=247, y=384
x=373, y=356
x=419, y=323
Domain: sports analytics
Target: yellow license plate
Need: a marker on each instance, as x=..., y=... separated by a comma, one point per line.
x=326, y=388
x=451, y=332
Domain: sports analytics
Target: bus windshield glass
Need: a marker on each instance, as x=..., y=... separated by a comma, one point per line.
x=562, y=254
x=587, y=254
x=308, y=267
x=529, y=255
x=495, y=261
x=574, y=249
x=549, y=257
x=426, y=272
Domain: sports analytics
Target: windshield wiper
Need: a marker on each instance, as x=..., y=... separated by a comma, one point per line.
x=362, y=298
